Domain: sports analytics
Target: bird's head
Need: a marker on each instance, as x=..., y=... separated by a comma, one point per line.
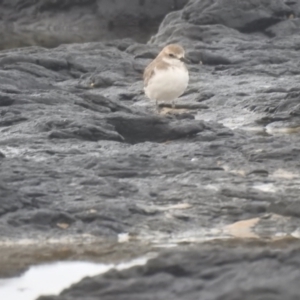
x=173, y=52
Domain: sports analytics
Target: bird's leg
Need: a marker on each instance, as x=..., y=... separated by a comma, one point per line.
x=157, y=106
x=173, y=103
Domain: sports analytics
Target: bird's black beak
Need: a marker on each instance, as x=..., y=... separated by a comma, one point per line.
x=184, y=60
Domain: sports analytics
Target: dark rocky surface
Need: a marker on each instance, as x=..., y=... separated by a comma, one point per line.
x=49, y=23
x=85, y=155
x=231, y=273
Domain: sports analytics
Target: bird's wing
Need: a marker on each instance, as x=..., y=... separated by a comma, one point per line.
x=148, y=73
x=152, y=68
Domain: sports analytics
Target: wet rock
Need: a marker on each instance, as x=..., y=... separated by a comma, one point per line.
x=205, y=272
x=144, y=128
x=241, y=15
x=85, y=153
x=11, y=200
x=57, y=114
x=50, y=23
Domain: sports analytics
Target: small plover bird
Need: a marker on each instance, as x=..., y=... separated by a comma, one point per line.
x=166, y=77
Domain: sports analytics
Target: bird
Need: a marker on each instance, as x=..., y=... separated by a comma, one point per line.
x=166, y=77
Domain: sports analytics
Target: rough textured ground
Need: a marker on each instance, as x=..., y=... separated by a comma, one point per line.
x=85, y=154
x=50, y=22
x=206, y=272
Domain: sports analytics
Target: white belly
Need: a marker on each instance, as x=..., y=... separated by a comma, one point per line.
x=167, y=85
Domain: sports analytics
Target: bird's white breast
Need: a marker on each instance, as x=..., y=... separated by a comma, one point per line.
x=167, y=84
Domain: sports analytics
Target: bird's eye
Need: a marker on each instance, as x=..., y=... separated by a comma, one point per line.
x=171, y=55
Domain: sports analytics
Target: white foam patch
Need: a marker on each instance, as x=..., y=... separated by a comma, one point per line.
x=52, y=279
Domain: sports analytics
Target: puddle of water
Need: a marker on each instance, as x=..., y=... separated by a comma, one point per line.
x=246, y=120
x=11, y=152
x=242, y=229
x=284, y=174
x=266, y=187
x=233, y=119
x=51, y=279
x=199, y=235
x=212, y=187
x=282, y=128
